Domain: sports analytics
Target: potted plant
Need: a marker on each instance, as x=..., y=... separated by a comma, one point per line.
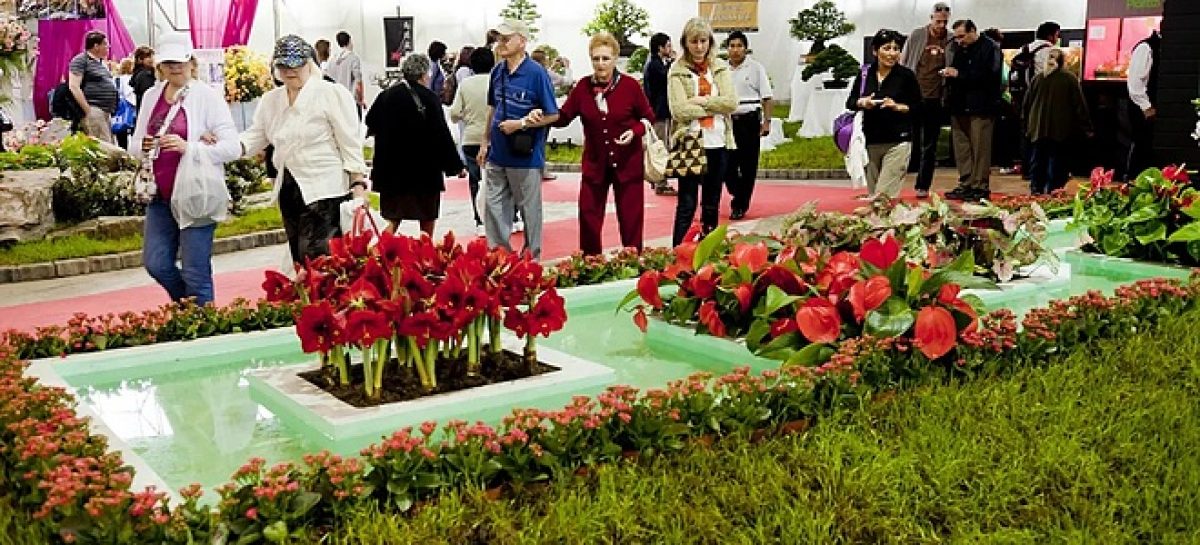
x=819, y=24
x=623, y=19
x=525, y=11
x=836, y=60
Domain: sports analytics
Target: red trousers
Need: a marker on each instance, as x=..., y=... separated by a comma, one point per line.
x=630, y=201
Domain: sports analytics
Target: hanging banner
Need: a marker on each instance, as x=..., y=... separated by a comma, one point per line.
x=730, y=15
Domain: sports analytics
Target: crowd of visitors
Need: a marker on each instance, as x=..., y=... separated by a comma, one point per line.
x=501, y=100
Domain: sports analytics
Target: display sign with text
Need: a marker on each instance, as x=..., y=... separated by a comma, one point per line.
x=730, y=15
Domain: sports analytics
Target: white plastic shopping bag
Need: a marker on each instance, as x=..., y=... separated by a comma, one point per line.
x=481, y=195
x=856, y=157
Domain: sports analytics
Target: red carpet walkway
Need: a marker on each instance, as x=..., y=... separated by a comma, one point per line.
x=561, y=239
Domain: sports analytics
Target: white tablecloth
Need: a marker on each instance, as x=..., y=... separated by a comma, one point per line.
x=801, y=91
x=823, y=107
x=776, y=137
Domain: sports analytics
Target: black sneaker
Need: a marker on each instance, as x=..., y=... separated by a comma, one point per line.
x=957, y=194
x=737, y=215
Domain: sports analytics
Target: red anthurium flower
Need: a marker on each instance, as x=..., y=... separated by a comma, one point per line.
x=647, y=287
x=783, y=327
x=782, y=278
x=684, y=254
x=818, y=321
x=549, y=314
x=868, y=295
x=744, y=293
x=839, y=274
x=694, y=233
x=936, y=332
x=639, y=318
x=786, y=255
x=948, y=294
x=752, y=256
x=364, y=327
x=319, y=328
x=704, y=284
x=711, y=319
x=279, y=288
x=880, y=253
x=1176, y=173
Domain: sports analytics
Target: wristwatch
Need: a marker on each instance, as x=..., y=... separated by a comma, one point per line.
x=524, y=123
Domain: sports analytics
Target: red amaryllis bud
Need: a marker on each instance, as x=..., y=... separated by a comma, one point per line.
x=647, y=287
x=935, y=332
x=818, y=321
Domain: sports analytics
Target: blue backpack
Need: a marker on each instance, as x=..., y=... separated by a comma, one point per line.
x=124, y=119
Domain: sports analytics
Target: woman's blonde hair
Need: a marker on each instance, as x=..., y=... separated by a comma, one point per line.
x=161, y=74
x=697, y=27
x=603, y=39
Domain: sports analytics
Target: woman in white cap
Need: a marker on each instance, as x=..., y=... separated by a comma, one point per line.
x=185, y=130
x=314, y=127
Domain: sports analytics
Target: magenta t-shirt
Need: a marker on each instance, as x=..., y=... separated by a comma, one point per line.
x=168, y=161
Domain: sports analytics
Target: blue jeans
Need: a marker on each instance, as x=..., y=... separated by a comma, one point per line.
x=709, y=187
x=1048, y=169
x=163, y=241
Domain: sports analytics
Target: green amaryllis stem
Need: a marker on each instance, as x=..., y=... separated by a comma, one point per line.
x=368, y=363
x=339, y=360
x=531, y=352
x=383, y=349
x=402, y=359
x=415, y=352
x=431, y=353
x=494, y=326
x=472, y=349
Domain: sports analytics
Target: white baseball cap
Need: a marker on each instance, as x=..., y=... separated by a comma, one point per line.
x=175, y=47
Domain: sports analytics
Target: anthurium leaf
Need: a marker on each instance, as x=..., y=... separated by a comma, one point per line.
x=1193, y=249
x=758, y=331
x=782, y=354
x=777, y=299
x=707, y=246
x=1114, y=243
x=811, y=355
x=304, y=501
x=789, y=340
x=1151, y=231
x=1146, y=213
x=975, y=301
x=916, y=280
x=1188, y=233
x=1192, y=210
x=892, y=319
x=964, y=263
x=629, y=298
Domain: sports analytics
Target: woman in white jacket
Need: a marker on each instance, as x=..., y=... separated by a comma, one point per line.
x=188, y=158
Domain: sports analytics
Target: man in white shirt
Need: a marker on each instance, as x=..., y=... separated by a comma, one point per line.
x=346, y=69
x=1142, y=83
x=751, y=122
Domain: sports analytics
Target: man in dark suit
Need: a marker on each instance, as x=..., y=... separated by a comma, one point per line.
x=654, y=83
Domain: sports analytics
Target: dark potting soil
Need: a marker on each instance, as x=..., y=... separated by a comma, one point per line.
x=403, y=384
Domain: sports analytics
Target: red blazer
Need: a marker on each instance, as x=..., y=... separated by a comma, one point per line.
x=627, y=106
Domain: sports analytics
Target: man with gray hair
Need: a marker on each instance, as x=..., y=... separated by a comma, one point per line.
x=925, y=54
x=521, y=104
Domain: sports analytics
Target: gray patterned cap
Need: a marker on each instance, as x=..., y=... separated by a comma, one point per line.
x=292, y=51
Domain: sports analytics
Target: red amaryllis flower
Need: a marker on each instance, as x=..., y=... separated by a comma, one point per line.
x=711, y=319
x=415, y=285
x=744, y=293
x=279, y=288
x=419, y=326
x=364, y=327
x=639, y=318
x=704, y=284
x=868, y=295
x=752, y=256
x=818, y=321
x=935, y=332
x=319, y=328
x=783, y=327
x=880, y=253
x=647, y=287
x=782, y=278
x=549, y=314
x=839, y=274
x=1176, y=173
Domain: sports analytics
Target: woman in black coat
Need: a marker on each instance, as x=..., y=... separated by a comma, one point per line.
x=413, y=148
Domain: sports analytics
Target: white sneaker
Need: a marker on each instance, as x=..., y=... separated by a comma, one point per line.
x=518, y=226
x=480, y=231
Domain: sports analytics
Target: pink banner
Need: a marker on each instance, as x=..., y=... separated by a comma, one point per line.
x=241, y=20
x=207, y=19
x=60, y=40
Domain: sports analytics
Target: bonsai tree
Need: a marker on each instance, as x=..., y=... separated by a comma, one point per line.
x=637, y=60
x=523, y=10
x=621, y=18
x=836, y=59
x=820, y=23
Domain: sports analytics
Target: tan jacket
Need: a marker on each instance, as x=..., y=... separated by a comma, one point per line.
x=680, y=89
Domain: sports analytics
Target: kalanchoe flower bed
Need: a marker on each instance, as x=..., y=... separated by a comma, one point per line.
x=796, y=304
x=581, y=270
x=63, y=476
x=1156, y=217
x=1058, y=204
x=431, y=303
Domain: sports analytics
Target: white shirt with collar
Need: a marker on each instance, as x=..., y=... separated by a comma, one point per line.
x=752, y=84
x=1138, y=80
x=1041, y=56
x=317, y=139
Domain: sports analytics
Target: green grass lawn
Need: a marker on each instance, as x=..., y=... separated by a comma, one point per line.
x=1100, y=448
x=800, y=153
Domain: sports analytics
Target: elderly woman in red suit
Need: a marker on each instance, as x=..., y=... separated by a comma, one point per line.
x=612, y=107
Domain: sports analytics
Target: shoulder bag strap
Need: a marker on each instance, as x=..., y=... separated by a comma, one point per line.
x=154, y=151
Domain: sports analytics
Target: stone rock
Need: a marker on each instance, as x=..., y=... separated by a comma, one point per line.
x=105, y=227
x=26, y=204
